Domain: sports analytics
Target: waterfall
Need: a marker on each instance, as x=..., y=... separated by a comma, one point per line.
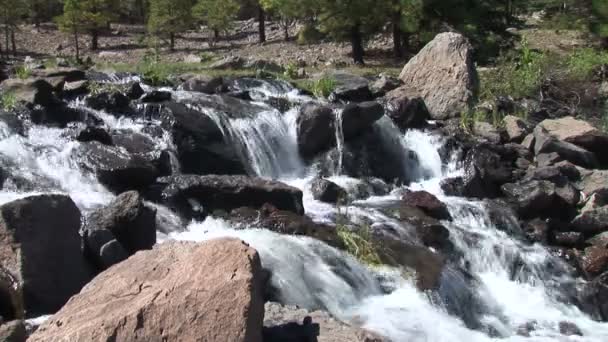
x=339, y=140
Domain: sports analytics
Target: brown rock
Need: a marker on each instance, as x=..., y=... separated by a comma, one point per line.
x=428, y=203
x=516, y=128
x=595, y=261
x=444, y=75
x=176, y=292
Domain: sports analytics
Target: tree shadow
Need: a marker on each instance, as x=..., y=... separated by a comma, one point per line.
x=293, y=332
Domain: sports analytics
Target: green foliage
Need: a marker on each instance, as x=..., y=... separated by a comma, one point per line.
x=9, y=101
x=216, y=14
x=583, y=62
x=600, y=23
x=323, y=87
x=169, y=17
x=359, y=243
x=23, y=72
x=309, y=34
x=291, y=71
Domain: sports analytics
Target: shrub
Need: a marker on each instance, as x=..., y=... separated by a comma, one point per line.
x=9, y=101
x=309, y=34
x=291, y=71
x=323, y=87
x=583, y=62
x=359, y=243
x=23, y=72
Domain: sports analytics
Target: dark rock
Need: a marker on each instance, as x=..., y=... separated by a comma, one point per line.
x=201, y=145
x=94, y=134
x=548, y=159
x=595, y=261
x=349, y=87
x=569, y=329
x=383, y=85
x=135, y=91
x=406, y=111
x=359, y=117
x=591, y=222
x=156, y=96
x=594, y=297
x=284, y=222
x=569, y=170
x=316, y=130
x=101, y=248
x=599, y=240
x=133, y=142
x=30, y=91
x=197, y=196
x=532, y=198
x=41, y=250
x=326, y=191
x=127, y=220
x=568, y=239
x=428, y=203
x=116, y=169
x=485, y=172
x=115, y=103
x=204, y=84
x=488, y=132
x=537, y=230
x=545, y=143
x=13, y=331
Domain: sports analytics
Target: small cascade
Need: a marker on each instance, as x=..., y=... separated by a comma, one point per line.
x=339, y=141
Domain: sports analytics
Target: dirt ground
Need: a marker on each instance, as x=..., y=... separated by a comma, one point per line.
x=129, y=44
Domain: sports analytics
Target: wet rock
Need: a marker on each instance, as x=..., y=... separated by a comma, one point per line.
x=316, y=130
x=594, y=297
x=428, y=203
x=569, y=329
x=134, y=143
x=220, y=282
x=94, y=134
x=406, y=111
x=201, y=146
x=537, y=230
x=293, y=324
x=204, y=84
x=568, y=239
x=516, y=128
x=115, y=103
x=196, y=196
x=350, y=88
x=156, y=96
x=284, y=222
x=13, y=331
x=443, y=73
x=591, y=222
x=485, y=172
x=326, y=191
x=41, y=251
x=546, y=143
x=359, y=117
x=129, y=222
x=599, y=240
x=115, y=168
x=135, y=91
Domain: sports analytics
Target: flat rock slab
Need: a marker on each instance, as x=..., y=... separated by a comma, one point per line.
x=176, y=292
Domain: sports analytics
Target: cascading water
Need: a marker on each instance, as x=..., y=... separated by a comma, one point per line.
x=514, y=284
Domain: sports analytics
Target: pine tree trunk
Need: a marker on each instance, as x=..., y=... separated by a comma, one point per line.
x=262, y=24
x=94, y=40
x=357, y=44
x=7, y=40
x=397, y=35
x=216, y=35
x=13, y=43
x=76, y=44
x=286, y=31
x=172, y=41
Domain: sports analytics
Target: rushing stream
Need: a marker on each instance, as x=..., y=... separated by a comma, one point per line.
x=515, y=284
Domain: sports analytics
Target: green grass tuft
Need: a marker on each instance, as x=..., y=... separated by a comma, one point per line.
x=8, y=101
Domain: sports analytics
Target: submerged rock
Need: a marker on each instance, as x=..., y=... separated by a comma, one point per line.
x=178, y=291
x=327, y=191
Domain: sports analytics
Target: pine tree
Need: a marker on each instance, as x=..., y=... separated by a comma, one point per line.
x=217, y=14
x=600, y=22
x=71, y=21
x=286, y=10
x=11, y=12
x=170, y=17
